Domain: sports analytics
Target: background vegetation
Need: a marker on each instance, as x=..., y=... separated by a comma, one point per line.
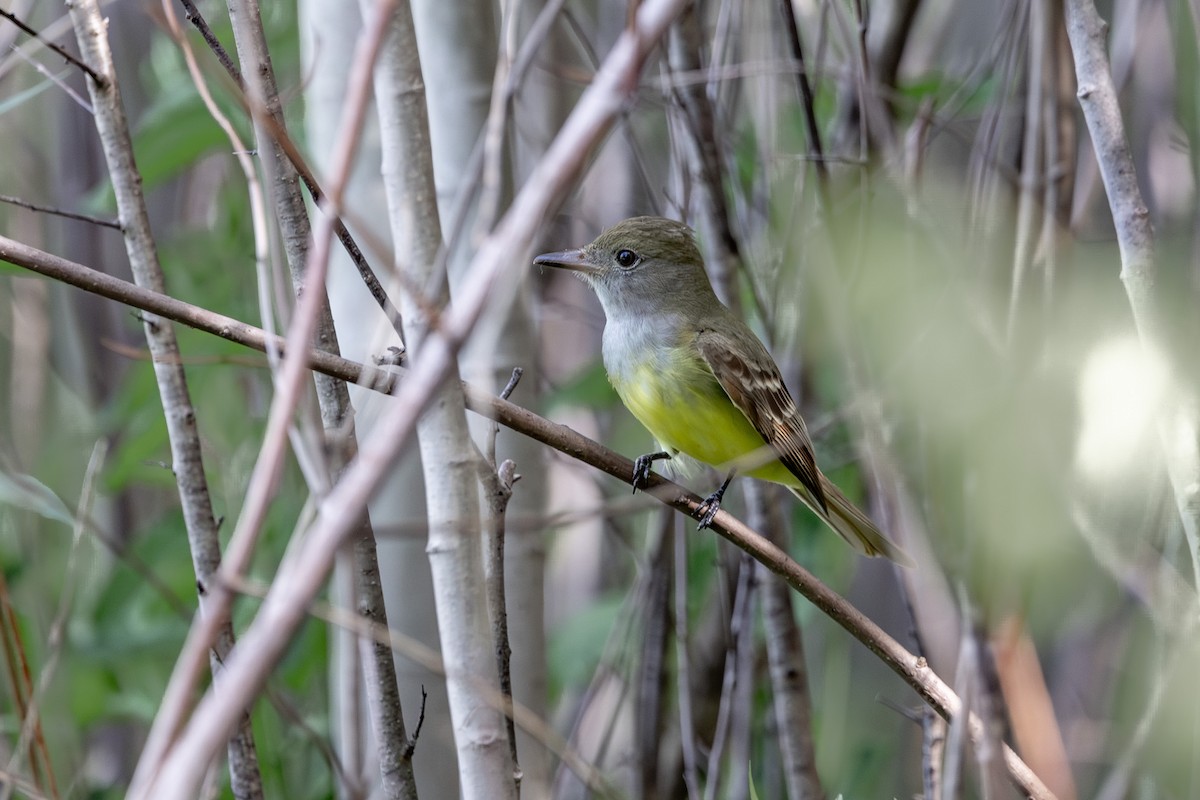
x=991, y=330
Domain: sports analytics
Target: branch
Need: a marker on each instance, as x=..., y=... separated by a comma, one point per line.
x=301, y=577
x=158, y=765
x=58, y=212
x=485, y=768
x=91, y=31
x=910, y=668
x=1135, y=237
x=70, y=59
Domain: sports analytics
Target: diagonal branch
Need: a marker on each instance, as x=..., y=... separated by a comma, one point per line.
x=912, y=669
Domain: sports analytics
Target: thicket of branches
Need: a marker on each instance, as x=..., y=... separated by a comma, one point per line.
x=302, y=487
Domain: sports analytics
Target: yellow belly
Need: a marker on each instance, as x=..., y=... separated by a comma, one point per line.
x=687, y=411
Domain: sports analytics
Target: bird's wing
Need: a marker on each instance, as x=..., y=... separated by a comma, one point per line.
x=750, y=377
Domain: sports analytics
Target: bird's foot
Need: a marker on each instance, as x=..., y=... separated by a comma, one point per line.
x=712, y=504
x=641, y=468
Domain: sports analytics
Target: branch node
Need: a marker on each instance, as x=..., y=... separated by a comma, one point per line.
x=394, y=357
x=512, y=382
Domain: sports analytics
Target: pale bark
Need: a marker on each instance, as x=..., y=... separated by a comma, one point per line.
x=451, y=488
x=1181, y=423
x=332, y=396
x=186, y=462
x=330, y=28
x=461, y=64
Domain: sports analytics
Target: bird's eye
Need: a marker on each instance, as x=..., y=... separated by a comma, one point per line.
x=627, y=259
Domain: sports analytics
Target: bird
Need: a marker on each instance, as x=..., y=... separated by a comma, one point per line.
x=697, y=378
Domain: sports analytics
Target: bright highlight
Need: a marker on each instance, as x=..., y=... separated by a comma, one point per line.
x=1122, y=394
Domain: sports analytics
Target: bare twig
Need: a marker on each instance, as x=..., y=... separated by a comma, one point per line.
x=687, y=717
x=193, y=15
x=70, y=59
x=732, y=731
x=498, y=487
x=652, y=675
x=498, y=492
x=58, y=80
x=791, y=33
x=58, y=212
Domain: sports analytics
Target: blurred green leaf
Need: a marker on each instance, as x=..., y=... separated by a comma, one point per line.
x=966, y=99
x=27, y=492
x=173, y=135
x=588, y=388
x=576, y=647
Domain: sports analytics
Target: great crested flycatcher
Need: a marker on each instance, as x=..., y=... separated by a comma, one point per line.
x=697, y=377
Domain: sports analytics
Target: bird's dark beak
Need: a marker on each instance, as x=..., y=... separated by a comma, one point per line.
x=574, y=260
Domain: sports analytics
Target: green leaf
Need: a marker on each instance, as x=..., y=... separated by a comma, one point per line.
x=588, y=388
x=27, y=492
x=577, y=646
x=172, y=137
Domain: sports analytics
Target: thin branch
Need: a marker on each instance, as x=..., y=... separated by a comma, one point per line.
x=683, y=666
x=193, y=15
x=652, y=675
x=498, y=488
x=58, y=212
x=499, y=492
x=57, y=80
x=791, y=32
x=70, y=59
x=1135, y=238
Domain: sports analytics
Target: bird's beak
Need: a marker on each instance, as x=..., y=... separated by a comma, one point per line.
x=574, y=260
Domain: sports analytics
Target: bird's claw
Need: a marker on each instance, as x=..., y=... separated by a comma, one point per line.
x=712, y=504
x=641, y=468
x=709, y=508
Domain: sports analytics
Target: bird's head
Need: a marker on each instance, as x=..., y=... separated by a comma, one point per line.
x=637, y=264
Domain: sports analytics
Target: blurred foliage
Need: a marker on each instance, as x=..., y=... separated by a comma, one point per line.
x=879, y=295
x=123, y=635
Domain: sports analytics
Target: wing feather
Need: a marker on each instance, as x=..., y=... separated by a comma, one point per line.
x=748, y=374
